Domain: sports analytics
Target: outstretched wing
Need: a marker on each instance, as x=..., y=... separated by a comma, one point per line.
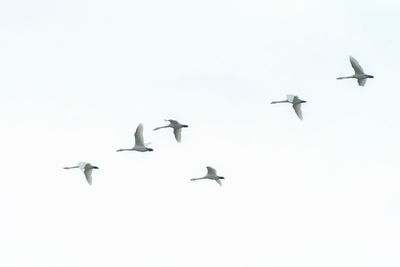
x=361, y=82
x=211, y=171
x=139, y=136
x=356, y=66
x=296, y=99
x=88, y=175
x=178, y=134
x=291, y=98
x=297, y=108
x=173, y=121
x=82, y=165
x=218, y=181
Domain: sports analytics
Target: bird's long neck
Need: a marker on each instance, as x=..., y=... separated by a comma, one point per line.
x=166, y=126
x=194, y=179
x=124, y=149
x=282, y=101
x=71, y=167
x=346, y=77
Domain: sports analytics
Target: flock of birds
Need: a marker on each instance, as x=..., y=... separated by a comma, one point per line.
x=141, y=146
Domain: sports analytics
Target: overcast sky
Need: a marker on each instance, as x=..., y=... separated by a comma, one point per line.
x=77, y=77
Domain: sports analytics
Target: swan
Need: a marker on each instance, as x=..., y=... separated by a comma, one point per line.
x=177, y=128
x=87, y=169
x=296, y=101
x=358, y=73
x=139, y=143
x=212, y=175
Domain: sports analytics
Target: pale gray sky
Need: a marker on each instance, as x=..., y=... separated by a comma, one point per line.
x=77, y=77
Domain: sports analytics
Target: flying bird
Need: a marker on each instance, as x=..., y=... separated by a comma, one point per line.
x=212, y=175
x=296, y=104
x=177, y=128
x=87, y=169
x=358, y=73
x=139, y=143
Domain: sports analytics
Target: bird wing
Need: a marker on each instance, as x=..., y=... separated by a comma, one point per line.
x=356, y=66
x=88, y=175
x=82, y=165
x=297, y=108
x=173, y=121
x=211, y=171
x=296, y=99
x=290, y=98
x=178, y=134
x=218, y=181
x=361, y=82
x=139, y=136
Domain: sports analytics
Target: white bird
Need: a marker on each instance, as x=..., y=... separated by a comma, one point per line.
x=177, y=128
x=139, y=143
x=358, y=73
x=212, y=175
x=87, y=169
x=296, y=101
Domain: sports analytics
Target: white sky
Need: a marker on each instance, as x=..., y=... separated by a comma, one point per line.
x=77, y=77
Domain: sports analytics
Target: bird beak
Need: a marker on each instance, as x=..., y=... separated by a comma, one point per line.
x=94, y=167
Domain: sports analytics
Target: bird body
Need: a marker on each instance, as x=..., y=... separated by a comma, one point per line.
x=177, y=128
x=212, y=175
x=139, y=142
x=87, y=169
x=358, y=73
x=296, y=104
